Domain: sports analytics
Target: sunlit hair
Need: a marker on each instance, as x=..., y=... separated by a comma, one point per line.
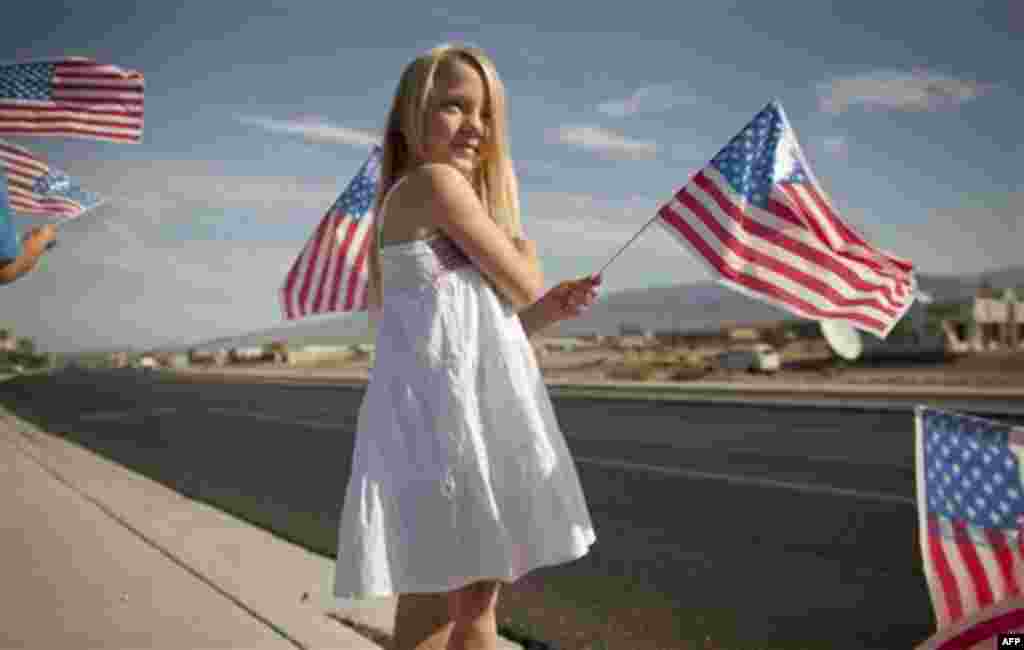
x=495, y=179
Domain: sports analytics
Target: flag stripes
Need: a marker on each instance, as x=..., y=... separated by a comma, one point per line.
x=331, y=273
x=789, y=266
x=36, y=189
x=970, y=510
x=755, y=218
x=73, y=97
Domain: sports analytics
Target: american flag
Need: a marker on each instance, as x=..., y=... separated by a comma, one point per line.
x=71, y=96
x=970, y=503
x=759, y=221
x=981, y=630
x=331, y=272
x=36, y=189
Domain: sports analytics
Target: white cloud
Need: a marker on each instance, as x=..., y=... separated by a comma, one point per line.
x=603, y=141
x=556, y=219
x=915, y=90
x=952, y=240
x=648, y=99
x=171, y=191
x=314, y=129
x=124, y=275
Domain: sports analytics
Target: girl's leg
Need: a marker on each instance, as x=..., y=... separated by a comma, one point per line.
x=476, y=623
x=423, y=621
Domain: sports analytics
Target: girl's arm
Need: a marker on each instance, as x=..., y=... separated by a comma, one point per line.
x=453, y=205
x=565, y=300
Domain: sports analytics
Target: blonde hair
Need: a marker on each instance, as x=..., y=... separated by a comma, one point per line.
x=495, y=180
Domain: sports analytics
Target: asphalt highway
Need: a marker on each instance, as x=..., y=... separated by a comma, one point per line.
x=764, y=526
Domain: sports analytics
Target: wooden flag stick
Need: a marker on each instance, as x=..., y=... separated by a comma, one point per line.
x=601, y=272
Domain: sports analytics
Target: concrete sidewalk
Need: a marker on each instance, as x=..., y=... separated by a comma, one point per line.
x=93, y=555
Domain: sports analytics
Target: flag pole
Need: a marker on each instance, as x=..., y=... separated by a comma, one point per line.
x=627, y=245
x=656, y=215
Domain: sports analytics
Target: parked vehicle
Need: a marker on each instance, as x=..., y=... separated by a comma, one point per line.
x=766, y=358
x=762, y=357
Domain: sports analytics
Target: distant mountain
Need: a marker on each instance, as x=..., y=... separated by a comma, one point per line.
x=695, y=306
x=340, y=329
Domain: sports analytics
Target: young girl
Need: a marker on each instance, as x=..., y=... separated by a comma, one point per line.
x=460, y=478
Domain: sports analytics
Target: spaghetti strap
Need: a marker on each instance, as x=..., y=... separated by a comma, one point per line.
x=383, y=206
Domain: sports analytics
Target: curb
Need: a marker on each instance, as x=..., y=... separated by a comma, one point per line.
x=180, y=528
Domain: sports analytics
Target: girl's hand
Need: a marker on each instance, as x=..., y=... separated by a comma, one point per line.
x=569, y=299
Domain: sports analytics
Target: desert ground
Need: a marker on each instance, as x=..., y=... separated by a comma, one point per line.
x=803, y=362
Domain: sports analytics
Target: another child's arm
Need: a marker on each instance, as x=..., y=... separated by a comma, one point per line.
x=513, y=268
x=33, y=247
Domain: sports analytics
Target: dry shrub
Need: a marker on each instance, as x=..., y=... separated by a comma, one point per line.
x=689, y=373
x=631, y=371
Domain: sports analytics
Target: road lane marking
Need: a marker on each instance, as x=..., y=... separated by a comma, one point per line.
x=817, y=459
x=275, y=418
x=114, y=416
x=618, y=464
x=747, y=480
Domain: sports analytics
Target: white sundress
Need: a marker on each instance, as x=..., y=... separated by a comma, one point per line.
x=460, y=471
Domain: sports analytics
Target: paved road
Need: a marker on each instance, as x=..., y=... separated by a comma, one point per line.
x=787, y=525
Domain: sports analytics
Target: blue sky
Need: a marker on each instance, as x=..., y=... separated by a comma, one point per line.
x=258, y=114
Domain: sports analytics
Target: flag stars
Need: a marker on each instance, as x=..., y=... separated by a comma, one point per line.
x=28, y=81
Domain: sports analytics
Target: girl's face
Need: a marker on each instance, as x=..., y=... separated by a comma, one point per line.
x=458, y=118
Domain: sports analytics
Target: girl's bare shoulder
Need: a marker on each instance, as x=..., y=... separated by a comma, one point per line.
x=433, y=182
x=436, y=193
x=421, y=203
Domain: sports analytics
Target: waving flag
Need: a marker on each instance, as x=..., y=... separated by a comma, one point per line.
x=73, y=97
x=758, y=220
x=331, y=273
x=36, y=189
x=970, y=504
x=982, y=630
